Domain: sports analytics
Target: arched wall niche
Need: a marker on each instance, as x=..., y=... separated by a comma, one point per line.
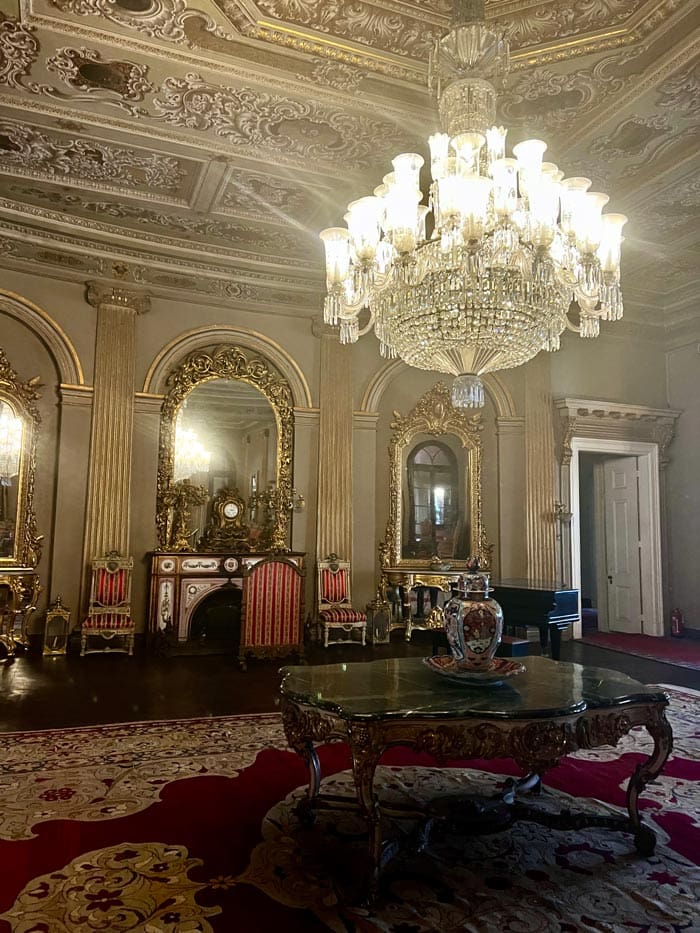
x=53, y=337
x=185, y=344
x=496, y=389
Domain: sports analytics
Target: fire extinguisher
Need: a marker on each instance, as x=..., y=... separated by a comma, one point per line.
x=677, y=623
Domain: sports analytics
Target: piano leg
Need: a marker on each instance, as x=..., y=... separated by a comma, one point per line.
x=556, y=642
x=544, y=630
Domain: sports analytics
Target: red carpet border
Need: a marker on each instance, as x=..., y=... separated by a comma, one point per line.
x=681, y=652
x=190, y=826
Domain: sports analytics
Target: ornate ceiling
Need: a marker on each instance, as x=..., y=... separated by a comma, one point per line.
x=198, y=146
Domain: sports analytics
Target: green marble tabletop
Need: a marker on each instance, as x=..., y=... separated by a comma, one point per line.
x=406, y=688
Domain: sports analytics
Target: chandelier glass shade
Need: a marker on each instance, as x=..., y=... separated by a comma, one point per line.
x=191, y=457
x=486, y=274
x=11, y=430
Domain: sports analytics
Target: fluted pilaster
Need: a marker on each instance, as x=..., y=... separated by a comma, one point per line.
x=334, y=526
x=109, y=477
x=540, y=471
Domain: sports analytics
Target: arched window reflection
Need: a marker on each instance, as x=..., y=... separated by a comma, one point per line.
x=433, y=500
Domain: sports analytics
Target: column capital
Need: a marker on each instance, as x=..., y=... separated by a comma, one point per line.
x=102, y=294
x=319, y=328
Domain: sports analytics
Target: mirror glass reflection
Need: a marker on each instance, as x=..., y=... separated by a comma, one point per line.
x=11, y=441
x=435, y=499
x=226, y=437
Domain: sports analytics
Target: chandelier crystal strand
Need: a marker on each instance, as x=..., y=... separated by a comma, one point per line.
x=513, y=245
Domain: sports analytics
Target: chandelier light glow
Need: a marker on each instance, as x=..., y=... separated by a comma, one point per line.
x=11, y=430
x=513, y=243
x=191, y=457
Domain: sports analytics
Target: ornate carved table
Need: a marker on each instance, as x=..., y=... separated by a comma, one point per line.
x=535, y=718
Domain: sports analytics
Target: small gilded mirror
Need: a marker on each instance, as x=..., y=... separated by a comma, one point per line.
x=19, y=419
x=435, y=487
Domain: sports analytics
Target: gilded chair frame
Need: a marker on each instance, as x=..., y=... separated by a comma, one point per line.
x=435, y=415
x=232, y=362
x=334, y=565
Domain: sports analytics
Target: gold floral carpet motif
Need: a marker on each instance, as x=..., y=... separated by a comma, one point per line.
x=190, y=826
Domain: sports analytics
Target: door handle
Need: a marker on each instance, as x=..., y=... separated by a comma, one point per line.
x=609, y=578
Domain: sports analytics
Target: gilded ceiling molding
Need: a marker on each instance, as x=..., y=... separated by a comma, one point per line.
x=86, y=224
x=158, y=19
x=662, y=68
x=51, y=334
x=305, y=129
x=31, y=152
x=592, y=418
x=495, y=387
x=213, y=334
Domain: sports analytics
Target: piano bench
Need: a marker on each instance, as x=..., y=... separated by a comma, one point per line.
x=510, y=647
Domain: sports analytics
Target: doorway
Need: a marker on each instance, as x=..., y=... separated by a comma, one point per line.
x=615, y=536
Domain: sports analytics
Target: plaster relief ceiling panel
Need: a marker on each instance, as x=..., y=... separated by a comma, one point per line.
x=200, y=145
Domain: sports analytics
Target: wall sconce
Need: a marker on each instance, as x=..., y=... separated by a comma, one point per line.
x=562, y=514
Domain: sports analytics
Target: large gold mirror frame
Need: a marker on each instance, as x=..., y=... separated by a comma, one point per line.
x=434, y=417
x=229, y=363
x=20, y=546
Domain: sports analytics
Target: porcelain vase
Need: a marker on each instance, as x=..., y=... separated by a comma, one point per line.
x=473, y=623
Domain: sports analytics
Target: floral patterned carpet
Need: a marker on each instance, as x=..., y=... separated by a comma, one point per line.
x=190, y=826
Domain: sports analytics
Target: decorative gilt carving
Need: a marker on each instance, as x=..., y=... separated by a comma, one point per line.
x=28, y=151
x=22, y=397
x=84, y=70
x=434, y=414
x=226, y=362
x=292, y=128
x=19, y=50
x=158, y=19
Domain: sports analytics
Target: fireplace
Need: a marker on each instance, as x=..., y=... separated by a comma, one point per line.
x=215, y=623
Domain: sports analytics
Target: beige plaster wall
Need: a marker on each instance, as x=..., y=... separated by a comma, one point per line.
x=683, y=481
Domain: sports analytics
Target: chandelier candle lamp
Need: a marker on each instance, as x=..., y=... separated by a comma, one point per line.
x=512, y=248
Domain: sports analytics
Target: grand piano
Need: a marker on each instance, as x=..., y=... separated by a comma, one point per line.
x=548, y=605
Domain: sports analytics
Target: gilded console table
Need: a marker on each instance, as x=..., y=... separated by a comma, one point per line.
x=19, y=593
x=536, y=718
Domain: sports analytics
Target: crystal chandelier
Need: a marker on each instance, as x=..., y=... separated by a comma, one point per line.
x=191, y=456
x=513, y=246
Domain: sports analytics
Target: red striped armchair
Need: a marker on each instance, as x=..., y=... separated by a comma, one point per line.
x=109, y=613
x=335, y=610
x=273, y=609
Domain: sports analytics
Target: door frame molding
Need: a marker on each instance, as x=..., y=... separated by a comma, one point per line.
x=647, y=454
x=596, y=425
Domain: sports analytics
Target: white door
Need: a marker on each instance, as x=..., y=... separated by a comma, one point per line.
x=622, y=545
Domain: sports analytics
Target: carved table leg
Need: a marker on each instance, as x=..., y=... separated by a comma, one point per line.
x=365, y=757
x=660, y=730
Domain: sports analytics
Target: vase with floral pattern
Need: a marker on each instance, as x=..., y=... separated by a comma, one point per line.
x=473, y=623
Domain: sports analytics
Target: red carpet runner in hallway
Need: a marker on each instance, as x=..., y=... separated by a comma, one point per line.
x=189, y=826
x=683, y=652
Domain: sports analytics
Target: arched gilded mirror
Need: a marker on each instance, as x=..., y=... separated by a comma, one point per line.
x=19, y=420
x=435, y=486
x=224, y=473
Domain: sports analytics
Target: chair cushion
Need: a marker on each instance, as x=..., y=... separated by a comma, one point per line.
x=334, y=586
x=110, y=588
x=109, y=622
x=343, y=616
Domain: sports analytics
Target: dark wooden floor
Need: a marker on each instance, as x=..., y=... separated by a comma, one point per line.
x=44, y=693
